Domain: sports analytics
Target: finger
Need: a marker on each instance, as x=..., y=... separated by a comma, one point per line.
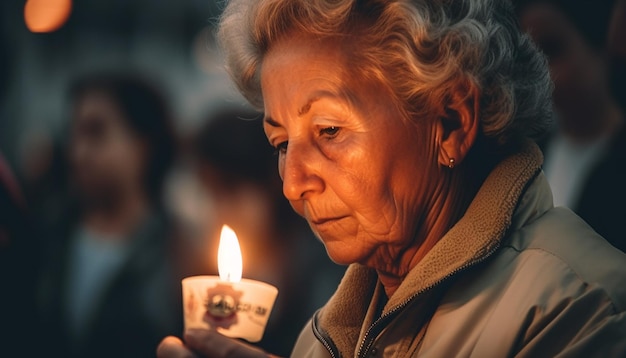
x=212, y=344
x=173, y=347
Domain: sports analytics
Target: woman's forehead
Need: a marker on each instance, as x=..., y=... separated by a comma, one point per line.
x=318, y=68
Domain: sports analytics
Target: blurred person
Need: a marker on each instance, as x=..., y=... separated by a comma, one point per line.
x=109, y=287
x=589, y=140
x=238, y=170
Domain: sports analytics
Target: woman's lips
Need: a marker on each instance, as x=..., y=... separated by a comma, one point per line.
x=326, y=221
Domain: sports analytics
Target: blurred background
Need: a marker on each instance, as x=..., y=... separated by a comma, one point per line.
x=124, y=148
x=170, y=40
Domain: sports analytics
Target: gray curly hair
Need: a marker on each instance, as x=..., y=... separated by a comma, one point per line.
x=425, y=51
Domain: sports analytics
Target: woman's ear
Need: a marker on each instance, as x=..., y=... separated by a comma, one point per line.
x=459, y=126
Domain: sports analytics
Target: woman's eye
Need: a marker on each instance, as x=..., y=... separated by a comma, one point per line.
x=330, y=131
x=281, y=148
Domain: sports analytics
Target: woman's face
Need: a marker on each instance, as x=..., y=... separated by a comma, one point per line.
x=351, y=165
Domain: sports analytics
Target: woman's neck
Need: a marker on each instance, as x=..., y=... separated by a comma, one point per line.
x=449, y=203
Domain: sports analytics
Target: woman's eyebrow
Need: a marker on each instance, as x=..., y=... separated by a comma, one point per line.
x=342, y=94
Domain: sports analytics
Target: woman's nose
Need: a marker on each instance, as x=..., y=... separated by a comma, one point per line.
x=300, y=178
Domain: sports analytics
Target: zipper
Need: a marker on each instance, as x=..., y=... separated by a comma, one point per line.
x=326, y=342
x=370, y=335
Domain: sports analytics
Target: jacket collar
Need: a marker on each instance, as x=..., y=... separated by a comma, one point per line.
x=473, y=238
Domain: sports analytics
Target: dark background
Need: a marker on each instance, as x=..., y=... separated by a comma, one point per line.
x=171, y=39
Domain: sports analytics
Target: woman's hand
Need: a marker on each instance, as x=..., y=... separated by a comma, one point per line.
x=206, y=344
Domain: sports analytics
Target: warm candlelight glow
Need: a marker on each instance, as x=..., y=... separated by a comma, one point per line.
x=229, y=261
x=236, y=307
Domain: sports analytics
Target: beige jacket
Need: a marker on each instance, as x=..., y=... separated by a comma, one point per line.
x=515, y=277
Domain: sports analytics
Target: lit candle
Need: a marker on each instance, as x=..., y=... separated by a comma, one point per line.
x=235, y=307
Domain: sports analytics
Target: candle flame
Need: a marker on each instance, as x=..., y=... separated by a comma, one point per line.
x=229, y=262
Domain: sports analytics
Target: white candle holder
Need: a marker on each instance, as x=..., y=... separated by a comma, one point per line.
x=235, y=309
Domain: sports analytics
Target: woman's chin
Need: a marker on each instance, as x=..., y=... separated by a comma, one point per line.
x=342, y=254
x=344, y=248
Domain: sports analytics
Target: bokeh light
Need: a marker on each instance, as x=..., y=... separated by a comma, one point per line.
x=46, y=15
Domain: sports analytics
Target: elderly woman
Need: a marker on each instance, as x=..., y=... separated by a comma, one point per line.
x=404, y=131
